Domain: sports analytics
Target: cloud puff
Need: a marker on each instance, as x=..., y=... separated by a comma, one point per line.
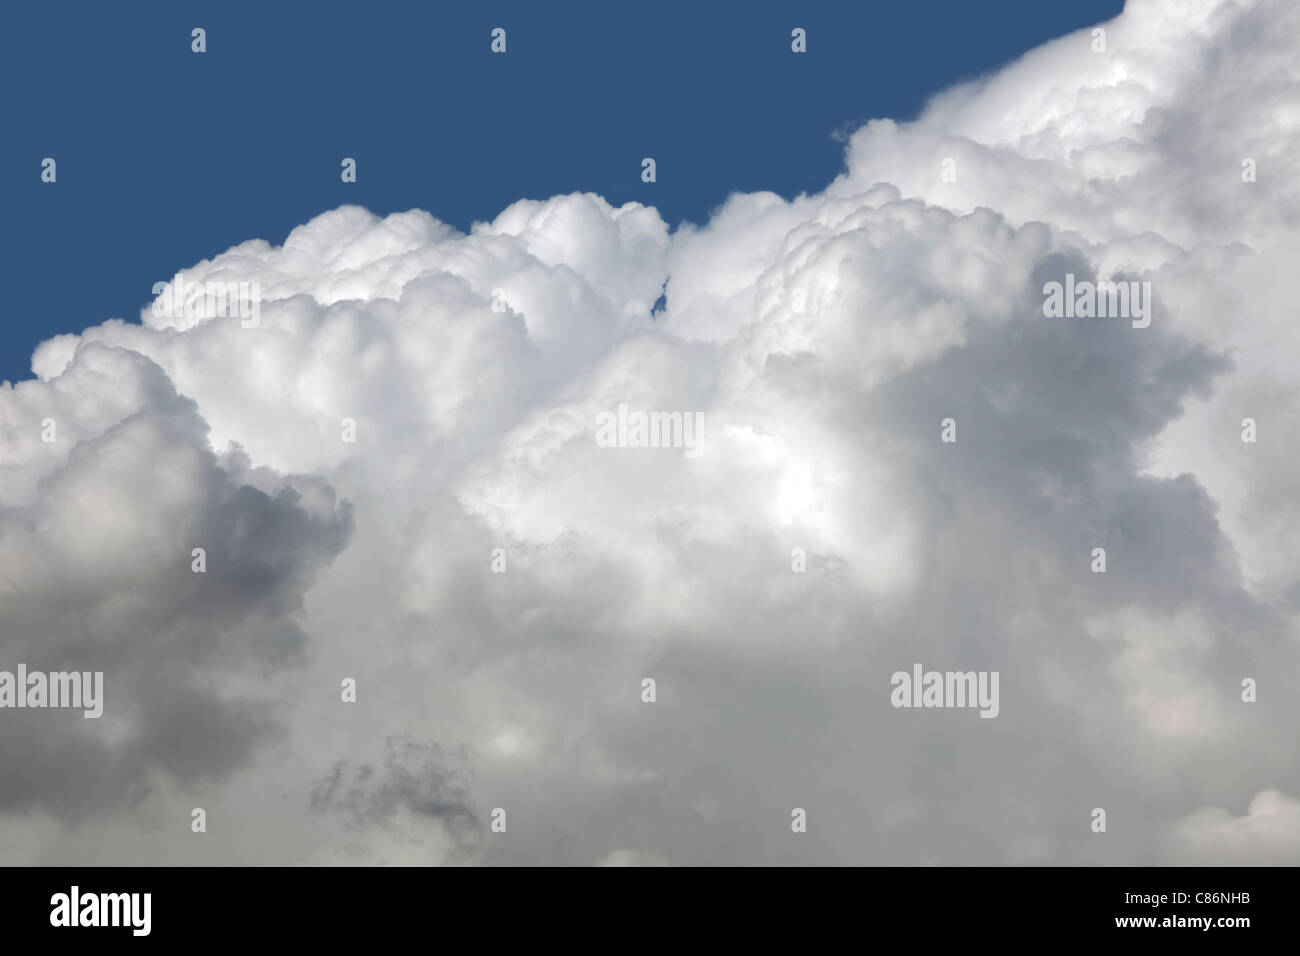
x=96, y=576
x=500, y=585
x=1268, y=832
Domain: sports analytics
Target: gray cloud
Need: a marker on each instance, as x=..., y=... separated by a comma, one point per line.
x=98, y=577
x=411, y=796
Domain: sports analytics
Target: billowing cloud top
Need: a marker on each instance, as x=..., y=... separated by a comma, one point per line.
x=399, y=475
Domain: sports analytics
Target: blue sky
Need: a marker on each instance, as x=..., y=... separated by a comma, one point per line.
x=166, y=157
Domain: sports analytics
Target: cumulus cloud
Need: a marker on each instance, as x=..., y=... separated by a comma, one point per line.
x=499, y=584
x=96, y=576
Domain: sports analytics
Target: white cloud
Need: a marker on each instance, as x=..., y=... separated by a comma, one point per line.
x=823, y=340
x=1267, y=833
